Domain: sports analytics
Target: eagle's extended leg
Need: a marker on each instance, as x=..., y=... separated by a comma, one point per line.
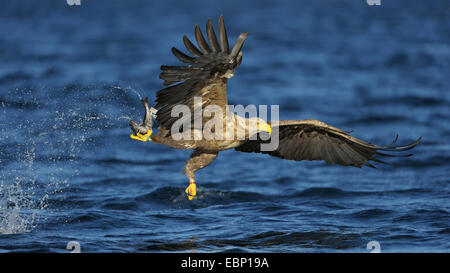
x=197, y=161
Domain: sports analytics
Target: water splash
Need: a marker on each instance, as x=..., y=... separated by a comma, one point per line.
x=124, y=117
x=13, y=218
x=43, y=140
x=129, y=88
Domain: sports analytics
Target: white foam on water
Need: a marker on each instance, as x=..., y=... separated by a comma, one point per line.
x=13, y=219
x=55, y=131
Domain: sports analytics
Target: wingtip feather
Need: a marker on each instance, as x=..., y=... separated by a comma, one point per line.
x=223, y=36
x=239, y=43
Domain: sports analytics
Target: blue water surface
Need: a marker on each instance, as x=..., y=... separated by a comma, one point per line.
x=72, y=76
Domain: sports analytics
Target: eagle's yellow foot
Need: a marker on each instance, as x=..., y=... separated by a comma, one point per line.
x=141, y=137
x=191, y=191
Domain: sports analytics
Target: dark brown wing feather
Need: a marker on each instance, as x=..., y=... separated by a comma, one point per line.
x=205, y=75
x=315, y=140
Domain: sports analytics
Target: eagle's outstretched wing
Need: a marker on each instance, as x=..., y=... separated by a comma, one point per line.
x=205, y=74
x=315, y=140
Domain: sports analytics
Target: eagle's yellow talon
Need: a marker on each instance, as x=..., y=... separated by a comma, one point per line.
x=137, y=137
x=147, y=135
x=142, y=138
x=191, y=191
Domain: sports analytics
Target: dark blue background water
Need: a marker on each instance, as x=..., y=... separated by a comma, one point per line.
x=70, y=77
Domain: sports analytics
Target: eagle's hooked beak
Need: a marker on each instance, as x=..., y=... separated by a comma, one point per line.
x=265, y=128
